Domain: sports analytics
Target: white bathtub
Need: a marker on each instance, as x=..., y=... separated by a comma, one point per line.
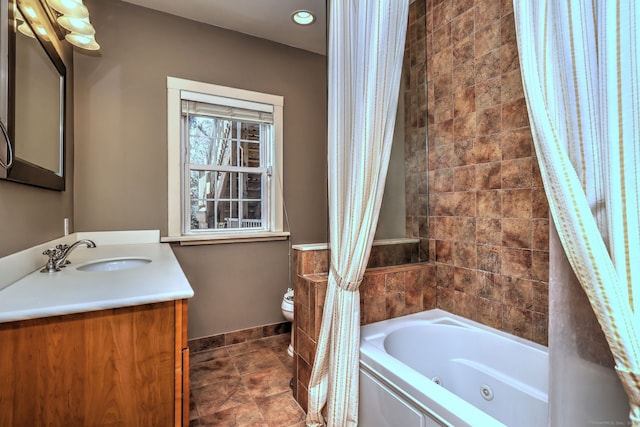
x=487, y=378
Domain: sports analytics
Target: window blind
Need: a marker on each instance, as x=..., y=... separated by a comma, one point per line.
x=215, y=106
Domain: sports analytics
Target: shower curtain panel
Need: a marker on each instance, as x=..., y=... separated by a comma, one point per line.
x=366, y=46
x=581, y=73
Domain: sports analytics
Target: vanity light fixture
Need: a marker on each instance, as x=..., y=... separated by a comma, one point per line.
x=74, y=17
x=303, y=17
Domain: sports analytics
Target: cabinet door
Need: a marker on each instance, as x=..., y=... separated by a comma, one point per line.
x=130, y=363
x=42, y=372
x=109, y=367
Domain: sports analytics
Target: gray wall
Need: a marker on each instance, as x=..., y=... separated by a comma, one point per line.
x=31, y=215
x=121, y=160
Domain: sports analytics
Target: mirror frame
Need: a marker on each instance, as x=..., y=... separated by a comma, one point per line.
x=23, y=171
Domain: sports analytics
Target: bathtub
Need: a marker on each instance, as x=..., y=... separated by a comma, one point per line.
x=433, y=369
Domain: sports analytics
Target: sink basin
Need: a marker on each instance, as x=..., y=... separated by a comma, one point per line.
x=114, y=264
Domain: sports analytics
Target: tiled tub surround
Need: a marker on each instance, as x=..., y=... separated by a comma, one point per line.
x=488, y=220
x=385, y=293
x=473, y=187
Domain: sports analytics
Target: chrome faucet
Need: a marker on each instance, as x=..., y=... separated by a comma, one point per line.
x=58, y=255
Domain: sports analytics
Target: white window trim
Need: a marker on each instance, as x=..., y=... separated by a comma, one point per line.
x=174, y=175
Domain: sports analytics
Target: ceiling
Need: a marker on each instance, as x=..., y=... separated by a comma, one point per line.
x=267, y=19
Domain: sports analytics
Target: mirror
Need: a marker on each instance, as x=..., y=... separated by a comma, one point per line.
x=36, y=101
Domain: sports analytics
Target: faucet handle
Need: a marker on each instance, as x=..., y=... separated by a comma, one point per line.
x=50, y=266
x=62, y=246
x=50, y=252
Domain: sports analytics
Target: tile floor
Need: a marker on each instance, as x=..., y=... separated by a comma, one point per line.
x=244, y=385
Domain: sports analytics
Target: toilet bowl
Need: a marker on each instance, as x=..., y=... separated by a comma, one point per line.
x=287, y=312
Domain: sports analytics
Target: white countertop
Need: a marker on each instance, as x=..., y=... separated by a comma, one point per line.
x=73, y=291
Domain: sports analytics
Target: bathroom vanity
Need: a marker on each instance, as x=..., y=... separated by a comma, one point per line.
x=97, y=347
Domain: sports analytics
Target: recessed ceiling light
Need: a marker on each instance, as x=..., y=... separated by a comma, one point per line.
x=303, y=17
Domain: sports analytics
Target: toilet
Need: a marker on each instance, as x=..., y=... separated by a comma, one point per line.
x=287, y=312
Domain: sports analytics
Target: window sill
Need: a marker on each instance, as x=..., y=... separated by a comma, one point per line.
x=216, y=239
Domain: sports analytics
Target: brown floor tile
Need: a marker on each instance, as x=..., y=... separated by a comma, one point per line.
x=247, y=347
x=281, y=410
x=204, y=373
x=278, y=342
x=284, y=358
x=206, y=356
x=268, y=382
x=223, y=394
x=244, y=384
x=255, y=361
x=246, y=415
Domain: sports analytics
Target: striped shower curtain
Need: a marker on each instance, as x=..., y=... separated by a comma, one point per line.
x=366, y=46
x=581, y=74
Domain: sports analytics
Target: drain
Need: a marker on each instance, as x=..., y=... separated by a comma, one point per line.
x=486, y=392
x=437, y=380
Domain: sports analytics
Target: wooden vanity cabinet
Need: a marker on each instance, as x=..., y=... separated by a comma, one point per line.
x=118, y=367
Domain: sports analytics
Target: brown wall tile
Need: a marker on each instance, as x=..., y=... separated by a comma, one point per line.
x=321, y=262
x=489, y=203
x=489, y=312
x=374, y=309
x=488, y=93
x=464, y=255
x=489, y=176
x=464, y=74
x=489, y=231
x=488, y=11
x=511, y=86
x=464, y=127
x=540, y=238
x=463, y=24
x=488, y=66
x=490, y=258
x=516, y=233
x=516, y=203
x=509, y=57
x=487, y=38
x=489, y=121
x=517, y=173
x=464, y=101
x=489, y=286
x=464, y=178
x=517, y=262
x=516, y=144
x=464, y=7
x=515, y=115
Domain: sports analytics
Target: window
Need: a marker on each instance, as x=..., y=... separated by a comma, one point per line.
x=224, y=163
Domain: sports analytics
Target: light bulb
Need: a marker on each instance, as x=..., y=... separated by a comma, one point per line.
x=25, y=29
x=30, y=12
x=303, y=17
x=70, y=8
x=77, y=25
x=82, y=41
